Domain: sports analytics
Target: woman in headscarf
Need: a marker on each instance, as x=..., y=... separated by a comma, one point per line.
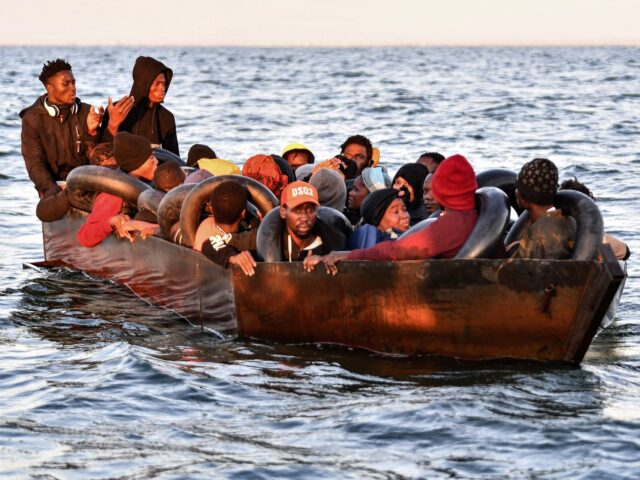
x=410, y=179
x=385, y=217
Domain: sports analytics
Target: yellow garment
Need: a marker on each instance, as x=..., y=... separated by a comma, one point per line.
x=375, y=157
x=218, y=166
x=298, y=146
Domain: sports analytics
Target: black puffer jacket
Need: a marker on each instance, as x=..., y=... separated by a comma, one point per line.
x=155, y=122
x=51, y=148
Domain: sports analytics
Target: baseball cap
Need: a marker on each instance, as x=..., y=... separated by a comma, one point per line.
x=297, y=193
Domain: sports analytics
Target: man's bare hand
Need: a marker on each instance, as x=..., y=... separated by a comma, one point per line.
x=310, y=262
x=331, y=260
x=332, y=164
x=143, y=228
x=117, y=222
x=118, y=112
x=245, y=261
x=93, y=119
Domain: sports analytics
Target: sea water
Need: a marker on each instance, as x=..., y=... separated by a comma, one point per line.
x=95, y=383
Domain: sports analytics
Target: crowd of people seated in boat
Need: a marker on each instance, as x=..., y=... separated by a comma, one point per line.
x=60, y=133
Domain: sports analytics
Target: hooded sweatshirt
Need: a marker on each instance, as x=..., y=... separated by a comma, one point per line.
x=51, y=148
x=155, y=123
x=414, y=174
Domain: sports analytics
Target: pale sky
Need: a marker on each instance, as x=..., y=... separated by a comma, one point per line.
x=320, y=22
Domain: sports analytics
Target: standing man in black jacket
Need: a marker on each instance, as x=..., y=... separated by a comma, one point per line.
x=58, y=131
x=148, y=117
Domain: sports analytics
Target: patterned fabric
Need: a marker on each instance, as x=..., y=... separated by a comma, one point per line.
x=265, y=170
x=551, y=237
x=538, y=181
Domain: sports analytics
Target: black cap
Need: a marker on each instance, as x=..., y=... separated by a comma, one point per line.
x=197, y=152
x=131, y=151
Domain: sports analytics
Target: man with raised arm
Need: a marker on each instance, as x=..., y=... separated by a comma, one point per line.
x=58, y=131
x=148, y=117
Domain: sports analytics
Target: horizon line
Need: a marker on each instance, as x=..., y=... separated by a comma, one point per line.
x=336, y=46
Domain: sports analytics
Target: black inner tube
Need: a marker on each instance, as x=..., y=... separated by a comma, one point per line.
x=84, y=181
x=505, y=180
x=169, y=208
x=192, y=205
x=149, y=201
x=490, y=228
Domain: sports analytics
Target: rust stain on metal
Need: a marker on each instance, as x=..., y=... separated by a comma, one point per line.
x=470, y=309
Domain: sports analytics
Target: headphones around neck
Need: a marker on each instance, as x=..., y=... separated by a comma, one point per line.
x=54, y=111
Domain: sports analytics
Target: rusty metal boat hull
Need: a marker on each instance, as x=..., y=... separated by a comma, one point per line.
x=470, y=309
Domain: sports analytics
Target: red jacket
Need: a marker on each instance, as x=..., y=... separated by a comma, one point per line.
x=441, y=239
x=97, y=226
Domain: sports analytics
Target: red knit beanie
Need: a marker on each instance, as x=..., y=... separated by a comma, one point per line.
x=454, y=184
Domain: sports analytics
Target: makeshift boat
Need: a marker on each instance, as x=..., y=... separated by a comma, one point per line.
x=471, y=307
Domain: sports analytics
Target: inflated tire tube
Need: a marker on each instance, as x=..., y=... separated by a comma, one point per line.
x=89, y=179
x=169, y=208
x=336, y=219
x=259, y=195
x=149, y=201
x=269, y=239
x=589, y=224
x=167, y=156
x=490, y=228
x=503, y=179
x=421, y=224
x=515, y=232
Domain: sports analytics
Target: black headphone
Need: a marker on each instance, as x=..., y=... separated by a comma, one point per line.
x=54, y=111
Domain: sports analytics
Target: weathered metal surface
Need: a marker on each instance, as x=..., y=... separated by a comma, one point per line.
x=159, y=271
x=597, y=301
x=470, y=309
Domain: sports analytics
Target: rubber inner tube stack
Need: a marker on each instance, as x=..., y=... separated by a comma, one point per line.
x=489, y=231
x=169, y=207
x=84, y=181
x=259, y=195
x=505, y=180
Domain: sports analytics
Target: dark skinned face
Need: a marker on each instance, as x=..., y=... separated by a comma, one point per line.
x=61, y=88
x=297, y=158
x=358, y=154
x=158, y=89
x=300, y=220
x=357, y=194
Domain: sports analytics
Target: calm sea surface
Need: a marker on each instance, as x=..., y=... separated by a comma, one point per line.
x=95, y=383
